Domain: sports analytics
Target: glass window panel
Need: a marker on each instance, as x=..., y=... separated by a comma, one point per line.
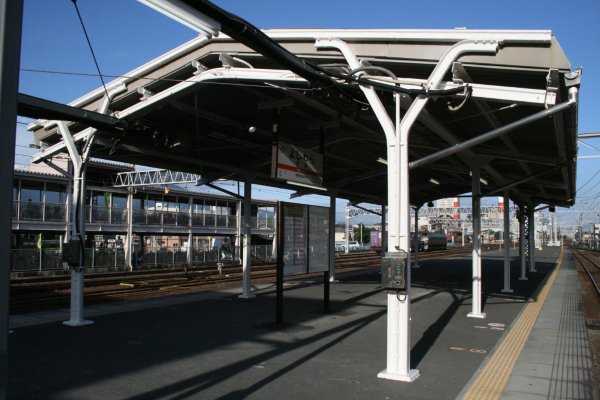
x=32, y=191
x=55, y=194
x=184, y=204
x=119, y=200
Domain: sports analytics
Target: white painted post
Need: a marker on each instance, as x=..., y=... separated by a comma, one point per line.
x=190, y=247
x=332, y=238
x=397, y=134
x=347, y=229
x=523, y=276
x=246, y=242
x=77, y=272
x=506, y=288
x=476, y=191
x=416, y=240
x=532, y=248
x=129, y=237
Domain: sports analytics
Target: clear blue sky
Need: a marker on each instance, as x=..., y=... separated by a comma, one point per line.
x=126, y=34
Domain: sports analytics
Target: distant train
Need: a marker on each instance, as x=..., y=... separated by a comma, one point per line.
x=427, y=241
x=432, y=241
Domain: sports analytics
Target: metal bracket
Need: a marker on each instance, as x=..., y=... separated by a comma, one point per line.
x=146, y=93
x=229, y=61
x=200, y=68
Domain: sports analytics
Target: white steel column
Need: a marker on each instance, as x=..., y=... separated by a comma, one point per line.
x=523, y=276
x=332, y=238
x=507, y=288
x=415, y=241
x=383, y=231
x=398, y=329
x=190, y=246
x=347, y=229
x=476, y=192
x=532, y=249
x=78, y=160
x=246, y=241
x=129, y=237
x=238, y=234
x=77, y=271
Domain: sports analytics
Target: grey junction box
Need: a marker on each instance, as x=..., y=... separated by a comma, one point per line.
x=393, y=271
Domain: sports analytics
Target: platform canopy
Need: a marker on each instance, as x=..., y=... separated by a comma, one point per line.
x=215, y=107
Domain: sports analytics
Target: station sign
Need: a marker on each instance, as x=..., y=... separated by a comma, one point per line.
x=295, y=164
x=305, y=241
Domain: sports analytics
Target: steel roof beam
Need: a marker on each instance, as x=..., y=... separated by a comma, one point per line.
x=35, y=107
x=491, y=134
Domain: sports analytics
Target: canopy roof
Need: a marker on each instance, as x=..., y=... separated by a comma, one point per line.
x=192, y=108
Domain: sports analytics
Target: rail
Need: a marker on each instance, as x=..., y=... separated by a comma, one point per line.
x=580, y=256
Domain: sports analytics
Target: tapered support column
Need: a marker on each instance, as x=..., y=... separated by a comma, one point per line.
x=532, y=249
x=522, y=243
x=506, y=288
x=246, y=241
x=476, y=192
x=332, y=238
x=78, y=234
x=415, y=241
x=397, y=134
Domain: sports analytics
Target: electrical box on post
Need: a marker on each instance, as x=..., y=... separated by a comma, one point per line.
x=393, y=271
x=71, y=252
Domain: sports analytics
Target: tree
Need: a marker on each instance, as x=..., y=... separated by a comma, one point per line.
x=366, y=233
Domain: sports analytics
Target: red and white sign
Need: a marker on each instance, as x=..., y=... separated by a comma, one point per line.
x=293, y=163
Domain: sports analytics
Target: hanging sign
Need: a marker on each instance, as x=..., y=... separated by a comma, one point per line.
x=293, y=163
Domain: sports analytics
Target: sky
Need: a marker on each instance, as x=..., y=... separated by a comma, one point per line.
x=125, y=34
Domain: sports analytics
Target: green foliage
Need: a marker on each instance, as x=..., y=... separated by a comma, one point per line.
x=366, y=234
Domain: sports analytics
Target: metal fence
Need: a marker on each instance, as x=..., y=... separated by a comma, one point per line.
x=103, y=258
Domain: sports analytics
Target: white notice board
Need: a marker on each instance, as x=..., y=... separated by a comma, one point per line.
x=318, y=239
x=305, y=240
x=293, y=163
x=294, y=247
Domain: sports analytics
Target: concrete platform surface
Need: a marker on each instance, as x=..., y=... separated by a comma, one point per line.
x=217, y=346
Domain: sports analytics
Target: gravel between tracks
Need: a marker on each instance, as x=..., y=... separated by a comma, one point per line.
x=591, y=307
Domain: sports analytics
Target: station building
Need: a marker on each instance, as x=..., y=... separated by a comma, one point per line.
x=164, y=221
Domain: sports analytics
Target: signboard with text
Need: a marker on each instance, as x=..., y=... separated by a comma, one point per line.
x=293, y=163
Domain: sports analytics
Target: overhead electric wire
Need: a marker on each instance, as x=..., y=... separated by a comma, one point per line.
x=588, y=181
x=90, y=46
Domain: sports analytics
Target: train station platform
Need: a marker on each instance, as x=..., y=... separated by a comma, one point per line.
x=214, y=345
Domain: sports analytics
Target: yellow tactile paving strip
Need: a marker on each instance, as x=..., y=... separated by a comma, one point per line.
x=492, y=378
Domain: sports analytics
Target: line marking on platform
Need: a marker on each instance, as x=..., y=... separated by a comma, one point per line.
x=490, y=380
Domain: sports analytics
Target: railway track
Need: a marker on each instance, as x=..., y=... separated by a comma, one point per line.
x=591, y=265
x=34, y=294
